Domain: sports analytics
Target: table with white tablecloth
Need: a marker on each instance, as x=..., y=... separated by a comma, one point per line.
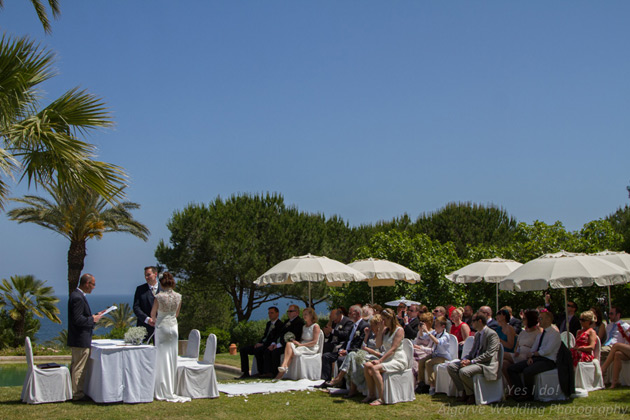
x=120, y=373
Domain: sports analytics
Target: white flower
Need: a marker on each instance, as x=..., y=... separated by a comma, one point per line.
x=135, y=335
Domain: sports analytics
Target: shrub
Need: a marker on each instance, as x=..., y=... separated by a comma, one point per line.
x=248, y=333
x=223, y=339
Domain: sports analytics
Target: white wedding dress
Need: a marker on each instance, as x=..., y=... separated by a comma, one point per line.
x=166, y=339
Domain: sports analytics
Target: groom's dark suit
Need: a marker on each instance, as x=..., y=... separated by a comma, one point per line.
x=142, y=304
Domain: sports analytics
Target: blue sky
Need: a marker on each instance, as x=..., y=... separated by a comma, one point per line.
x=363, y=109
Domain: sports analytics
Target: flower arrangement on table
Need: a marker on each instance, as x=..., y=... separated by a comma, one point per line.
x=135, y=335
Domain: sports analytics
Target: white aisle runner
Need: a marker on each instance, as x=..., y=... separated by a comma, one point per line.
x=262, y=387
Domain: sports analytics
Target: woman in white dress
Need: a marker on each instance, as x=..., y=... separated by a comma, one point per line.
x=166, y=306
x=308, y=344
x=393, y=360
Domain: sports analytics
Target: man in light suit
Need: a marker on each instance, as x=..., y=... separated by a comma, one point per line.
x=143, y=300
x=271, y=335
x=482, y=359
x=80, y=325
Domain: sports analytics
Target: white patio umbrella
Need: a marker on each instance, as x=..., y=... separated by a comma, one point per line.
x=491, y=270
x=384, y=273
x=563, y=270
x=402, y=300
x=310, y=268
x=622, y=259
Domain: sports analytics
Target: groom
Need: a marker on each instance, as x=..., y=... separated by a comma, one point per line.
x=143, y=300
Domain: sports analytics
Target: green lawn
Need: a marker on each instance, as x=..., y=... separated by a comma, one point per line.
x=614, y=404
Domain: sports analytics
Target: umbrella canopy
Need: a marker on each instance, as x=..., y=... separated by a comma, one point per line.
x=563, y=270
x=491, y=270
x=384, y=273
x=309, y=268
x=402, y=300
x=622, y=259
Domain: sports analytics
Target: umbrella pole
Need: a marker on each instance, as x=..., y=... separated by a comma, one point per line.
x=498, y=298
x=372, y=290
x=609, y=301
x=310, y=302
x=566, y=319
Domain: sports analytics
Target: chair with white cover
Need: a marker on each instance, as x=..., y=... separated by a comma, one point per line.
x=452, y=350
x=547, y=387
x=624, y=375
x=588, y=375
x=192, y=347
x=486, y=391
x=306, y=366
x=443, y=381
x=45, y=385
x=400, y=386
x=571, y=340
x=197, y=379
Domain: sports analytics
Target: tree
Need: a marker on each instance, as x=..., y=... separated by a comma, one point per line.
x=78, y=214
x=229, y=243
x=42, y=144
x=122, y=317
x=25, y=295
x=42, y=15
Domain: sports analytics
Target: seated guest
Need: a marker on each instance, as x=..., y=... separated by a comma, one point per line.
x=376, y=307
x=543, y=358
x=615, y=331
x=352, y=365
x=561, y=319
x=487, y=311
x=483, y=358
x=390, y=336
x=272, y=355
x=440, y=352
x=524, y=342
x=367, y=312
x=401, y=313
x=412, y=322
x=308, y=344
x=586, y=339
x=271, y=335
x=423, y=309
x=506, y=332
x=338, y=337
x=467, y=316
x=459, y=329
x=619, y=353
x=600, y=325
x=441, y=311
x=422, y=346
x=516, y=323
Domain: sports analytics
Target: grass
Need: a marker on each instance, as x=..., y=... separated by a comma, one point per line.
x=608, y=404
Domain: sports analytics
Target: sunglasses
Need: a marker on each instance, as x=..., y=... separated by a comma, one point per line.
x=584, y=320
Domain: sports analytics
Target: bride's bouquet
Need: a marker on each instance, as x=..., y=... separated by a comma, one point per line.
x=288, y=337
x=135, y=335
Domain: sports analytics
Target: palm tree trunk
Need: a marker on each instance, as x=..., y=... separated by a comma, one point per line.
x=76, y=257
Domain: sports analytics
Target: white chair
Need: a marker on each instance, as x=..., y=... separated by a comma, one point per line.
x=571, y=339
x=306, y=366
x=548, y=387
x=452, y=350
x=443, y=382
x=197, y=379
x=588, y=375
x=624, y=375
x=45, y=385
x=192, y=347
x=400, y=386
x=486, y=391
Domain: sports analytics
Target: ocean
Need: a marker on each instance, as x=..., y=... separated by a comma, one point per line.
x=50, y=330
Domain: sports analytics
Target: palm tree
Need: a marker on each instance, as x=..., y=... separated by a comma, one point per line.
x=78, y=214
x=60, y=341
x=123, y=317
x=26, y=294
x=40, y=9
x=42, y=144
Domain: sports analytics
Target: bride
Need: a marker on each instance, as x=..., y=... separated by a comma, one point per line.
x=166, y=306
